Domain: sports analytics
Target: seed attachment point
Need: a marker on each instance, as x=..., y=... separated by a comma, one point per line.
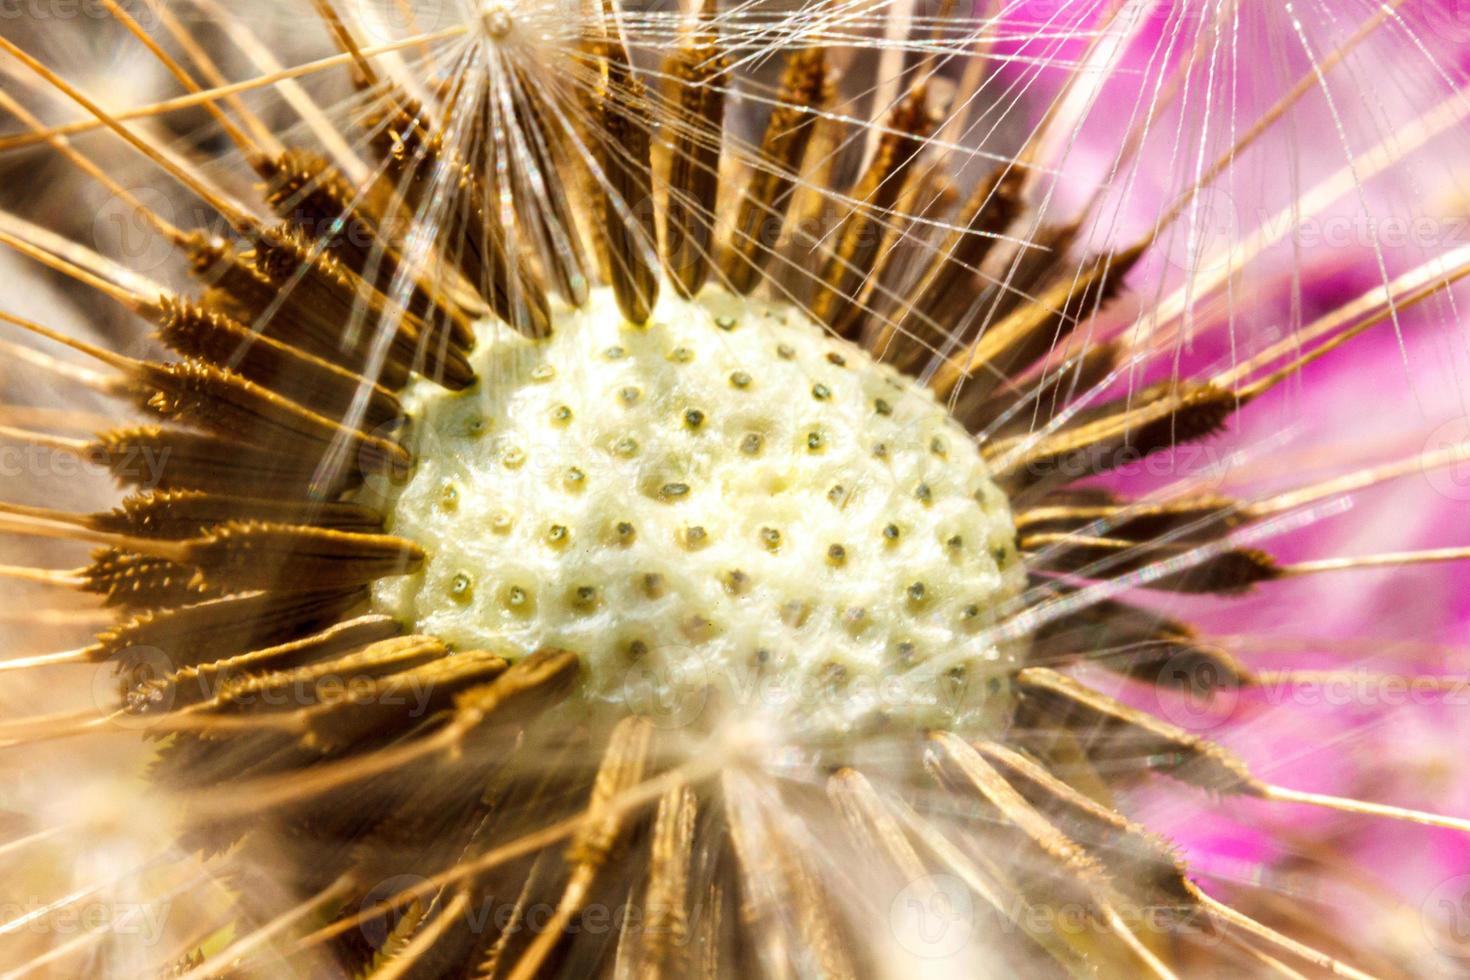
x=496, y=20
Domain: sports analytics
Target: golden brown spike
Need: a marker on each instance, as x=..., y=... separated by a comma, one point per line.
x=320, y=384
x=400, y=700
x=1031, y=331
x=224, y=627
x=1030, y=404
x=252, y=554
x=1091, y=510
x=1139, y=860
x=530, y=685
x=993, y=787
x=560, y=240
x=762, y=898
x=143, y=581
x=781, y=902
x=507, y=286
x=199, y=394
x=305, y=190
x=1228, y=916
x=166, y=458
x=1232, y=571
x=865, y=233
x=1075, y=863
x=1114, y=732
x=1040, y=258
x=1129, y=428
x=627, y=180
x=622, y=768
x=767, y=198
x=187, y=513
x=816, y=913
x=317, y=285
x=664, y=941
x=306, y=690
x=200, y=681
x=489, y=965
x=1131, y=641
x=698, y=71
x=872, y=823
x=938, y=296
x=427, y=173
x=240, y=290
x=445, y=916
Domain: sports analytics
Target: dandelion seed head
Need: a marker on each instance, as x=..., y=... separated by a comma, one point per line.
x=677, y=466
x=829, y=482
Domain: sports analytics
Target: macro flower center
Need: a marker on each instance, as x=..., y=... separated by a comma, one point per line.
x=724, y=501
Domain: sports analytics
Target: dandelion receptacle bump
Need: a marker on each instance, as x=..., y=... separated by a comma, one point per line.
x=653, y=490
